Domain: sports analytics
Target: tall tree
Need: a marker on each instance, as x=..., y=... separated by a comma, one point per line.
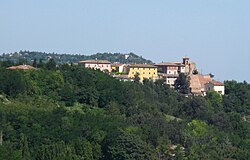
x=182, y=84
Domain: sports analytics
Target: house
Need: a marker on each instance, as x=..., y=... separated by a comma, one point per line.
x=215, y=86
x=102, y=65
x=197, y=83
x=169, y=79
x=200, y=84
x=145, y=71
x=172, y=68
x=118, y=67
x=21, y=67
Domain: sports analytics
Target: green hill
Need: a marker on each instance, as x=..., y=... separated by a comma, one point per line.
x=29, y=56
x=76, y=113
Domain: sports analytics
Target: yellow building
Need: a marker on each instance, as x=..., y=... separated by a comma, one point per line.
x=145, y=71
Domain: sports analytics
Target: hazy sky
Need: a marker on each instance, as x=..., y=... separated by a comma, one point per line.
x=213, y=33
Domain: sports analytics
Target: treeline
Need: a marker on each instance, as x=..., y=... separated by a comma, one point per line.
x=69, y=112
x=27, y=57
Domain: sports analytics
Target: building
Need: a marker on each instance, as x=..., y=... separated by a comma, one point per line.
x=118, y=67
x=172, y=68
x=145, y=71
x=169, y=79
x=190, y=67
x=200, y=84
x=102, y=65
x=215, y=86
x=197, y=84
x=22, y=67
x=169, y=71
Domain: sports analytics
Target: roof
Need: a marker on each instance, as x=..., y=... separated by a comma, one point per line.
x=204, y=79
x=116, y=64
x=175, y=64
x=21, y=67
x=167, y=64
x=142, y=66
x=197, y=83
x=95, y=61
x=216, y=83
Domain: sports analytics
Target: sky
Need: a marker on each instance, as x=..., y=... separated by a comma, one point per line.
x=213, y=33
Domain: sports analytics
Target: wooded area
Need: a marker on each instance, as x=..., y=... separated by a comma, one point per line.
x=69, y=112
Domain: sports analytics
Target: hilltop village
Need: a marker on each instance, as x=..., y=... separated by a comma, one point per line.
x=168, y=71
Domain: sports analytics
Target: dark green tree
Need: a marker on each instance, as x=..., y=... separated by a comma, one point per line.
x=182, y=84
x=137, y=77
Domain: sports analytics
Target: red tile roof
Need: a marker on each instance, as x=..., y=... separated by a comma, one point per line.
x=216, y=83
x=21, y=67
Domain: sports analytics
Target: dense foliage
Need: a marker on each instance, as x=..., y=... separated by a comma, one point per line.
x=28, y=57
x=76, y=113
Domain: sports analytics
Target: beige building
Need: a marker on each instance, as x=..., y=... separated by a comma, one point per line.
x=197, y=84
x=190, y=67
x=215, y=86
x=200, y=84
x=102, y=65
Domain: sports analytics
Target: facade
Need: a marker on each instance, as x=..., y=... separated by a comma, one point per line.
x=168, y=78
x=190, y=67
x=102, y=65
x=117, y=67
x=145, y=71
x=171, y=68
x=215, y=86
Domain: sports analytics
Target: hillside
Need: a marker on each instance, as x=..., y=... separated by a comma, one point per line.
x=78, y=113
x=28, y=57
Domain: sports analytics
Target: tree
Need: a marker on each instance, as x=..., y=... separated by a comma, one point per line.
x=51, y=64
x=214, y=100
x=128, y=146
x=137, y=77
x=34, y=64
x=182, y=84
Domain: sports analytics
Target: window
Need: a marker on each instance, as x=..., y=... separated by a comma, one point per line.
x=149, y=73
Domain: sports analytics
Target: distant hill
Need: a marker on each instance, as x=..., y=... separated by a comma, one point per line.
x=29, y=56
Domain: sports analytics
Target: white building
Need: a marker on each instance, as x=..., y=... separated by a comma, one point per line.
x=118, y=67
x=215, y=86
x=102, y=65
